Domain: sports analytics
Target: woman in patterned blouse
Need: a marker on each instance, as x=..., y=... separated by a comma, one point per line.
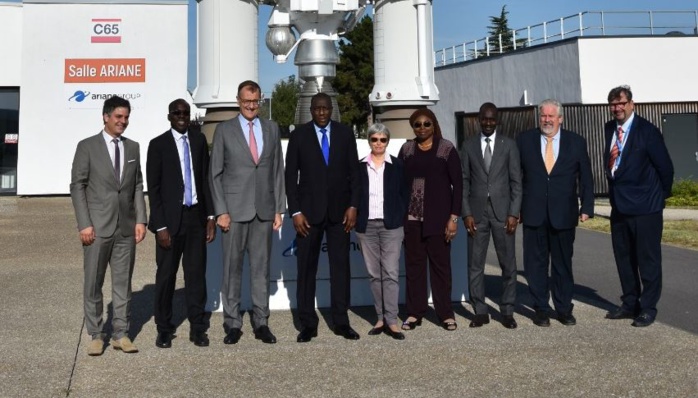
x=433, y=173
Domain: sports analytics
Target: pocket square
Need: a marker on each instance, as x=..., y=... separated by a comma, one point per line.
x=132, y=160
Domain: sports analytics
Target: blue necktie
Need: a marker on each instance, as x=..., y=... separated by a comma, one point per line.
x=187, y=173
x=325, y=146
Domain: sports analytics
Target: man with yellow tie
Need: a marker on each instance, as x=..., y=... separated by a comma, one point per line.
x=556, y=171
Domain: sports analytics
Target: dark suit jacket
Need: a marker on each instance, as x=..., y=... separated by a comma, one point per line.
x=555, y=195
x=315, y=189
x=395, y=195
x=101, y=202
x=166, y=182
x=644, y=177
x=502, y=184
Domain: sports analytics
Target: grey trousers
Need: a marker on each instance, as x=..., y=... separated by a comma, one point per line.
x=119, y=253
x=477, y=250
x=254, y=238
x=381, y=250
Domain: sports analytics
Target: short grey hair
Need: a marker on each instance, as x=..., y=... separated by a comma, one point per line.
x=552, y=102
x=378, y=128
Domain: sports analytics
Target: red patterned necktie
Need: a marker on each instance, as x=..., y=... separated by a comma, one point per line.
x=615, y=151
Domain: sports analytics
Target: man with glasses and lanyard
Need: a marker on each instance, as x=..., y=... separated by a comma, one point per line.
x=640, y=175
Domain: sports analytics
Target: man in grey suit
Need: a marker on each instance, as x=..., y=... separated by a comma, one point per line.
x=491, y=204
x=107, y=192
x=247, y=185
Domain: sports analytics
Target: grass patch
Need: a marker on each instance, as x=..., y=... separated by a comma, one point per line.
x=684, y=193
x=681, y=233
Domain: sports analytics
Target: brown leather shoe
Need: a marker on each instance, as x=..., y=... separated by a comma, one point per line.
x=124, y=344
x=95, y=347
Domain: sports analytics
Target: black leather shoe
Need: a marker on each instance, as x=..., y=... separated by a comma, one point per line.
x=233, y=336
x=643, y=320
x=479, y=320
x=509, y=322
x=306, y=335
x=567, y=319
x=200, y=339
x=164, y=340
x=541, y=319
x=346, y=331
x=395, y=335
x=263, y=333
x=619, y=313
x=376, y=331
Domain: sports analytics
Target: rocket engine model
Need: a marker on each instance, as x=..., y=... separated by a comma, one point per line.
x=403, y=53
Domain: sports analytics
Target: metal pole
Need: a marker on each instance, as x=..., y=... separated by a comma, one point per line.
x=545, y=32
x=562, y=28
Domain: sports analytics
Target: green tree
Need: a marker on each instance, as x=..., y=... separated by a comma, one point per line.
x=354, y=80
x=500, y=26
x=283, y=101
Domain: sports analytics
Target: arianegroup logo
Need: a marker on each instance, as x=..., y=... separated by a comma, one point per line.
x=79, y=96
x=293, y=249
x=106, y=30
x=93, y=97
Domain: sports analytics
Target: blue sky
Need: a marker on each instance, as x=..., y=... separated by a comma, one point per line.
x=456, y=21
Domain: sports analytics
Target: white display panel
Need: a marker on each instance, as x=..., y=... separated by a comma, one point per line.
x=76, y=55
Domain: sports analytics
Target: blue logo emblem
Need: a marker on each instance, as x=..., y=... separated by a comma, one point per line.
x=291, y=251
x=79, y=96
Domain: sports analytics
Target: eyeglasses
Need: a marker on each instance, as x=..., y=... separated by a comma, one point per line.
x=419, y=125
x=376, y=139
x=179, y=113
x=618, y=104
x=321, y=109
x=249, y=102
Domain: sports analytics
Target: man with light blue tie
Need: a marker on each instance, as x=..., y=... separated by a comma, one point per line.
x=181, y=217
x=323, y=188
x=247, y=181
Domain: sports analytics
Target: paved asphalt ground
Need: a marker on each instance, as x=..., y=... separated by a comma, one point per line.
x=42, y=341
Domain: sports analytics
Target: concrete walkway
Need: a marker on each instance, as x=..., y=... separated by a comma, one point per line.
x=604, y=210
x=43, y=348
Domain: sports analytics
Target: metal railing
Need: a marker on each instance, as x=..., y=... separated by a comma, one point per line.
x=587, y=23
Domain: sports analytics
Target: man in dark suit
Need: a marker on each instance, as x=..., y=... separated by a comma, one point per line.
x=640, y=174
x=181, y=217
x=491, y=206
x=556, y=172
x=106, y=189
x=322, y=185
x=247, y=181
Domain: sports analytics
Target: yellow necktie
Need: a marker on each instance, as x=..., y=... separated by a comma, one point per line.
x=549, y=155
